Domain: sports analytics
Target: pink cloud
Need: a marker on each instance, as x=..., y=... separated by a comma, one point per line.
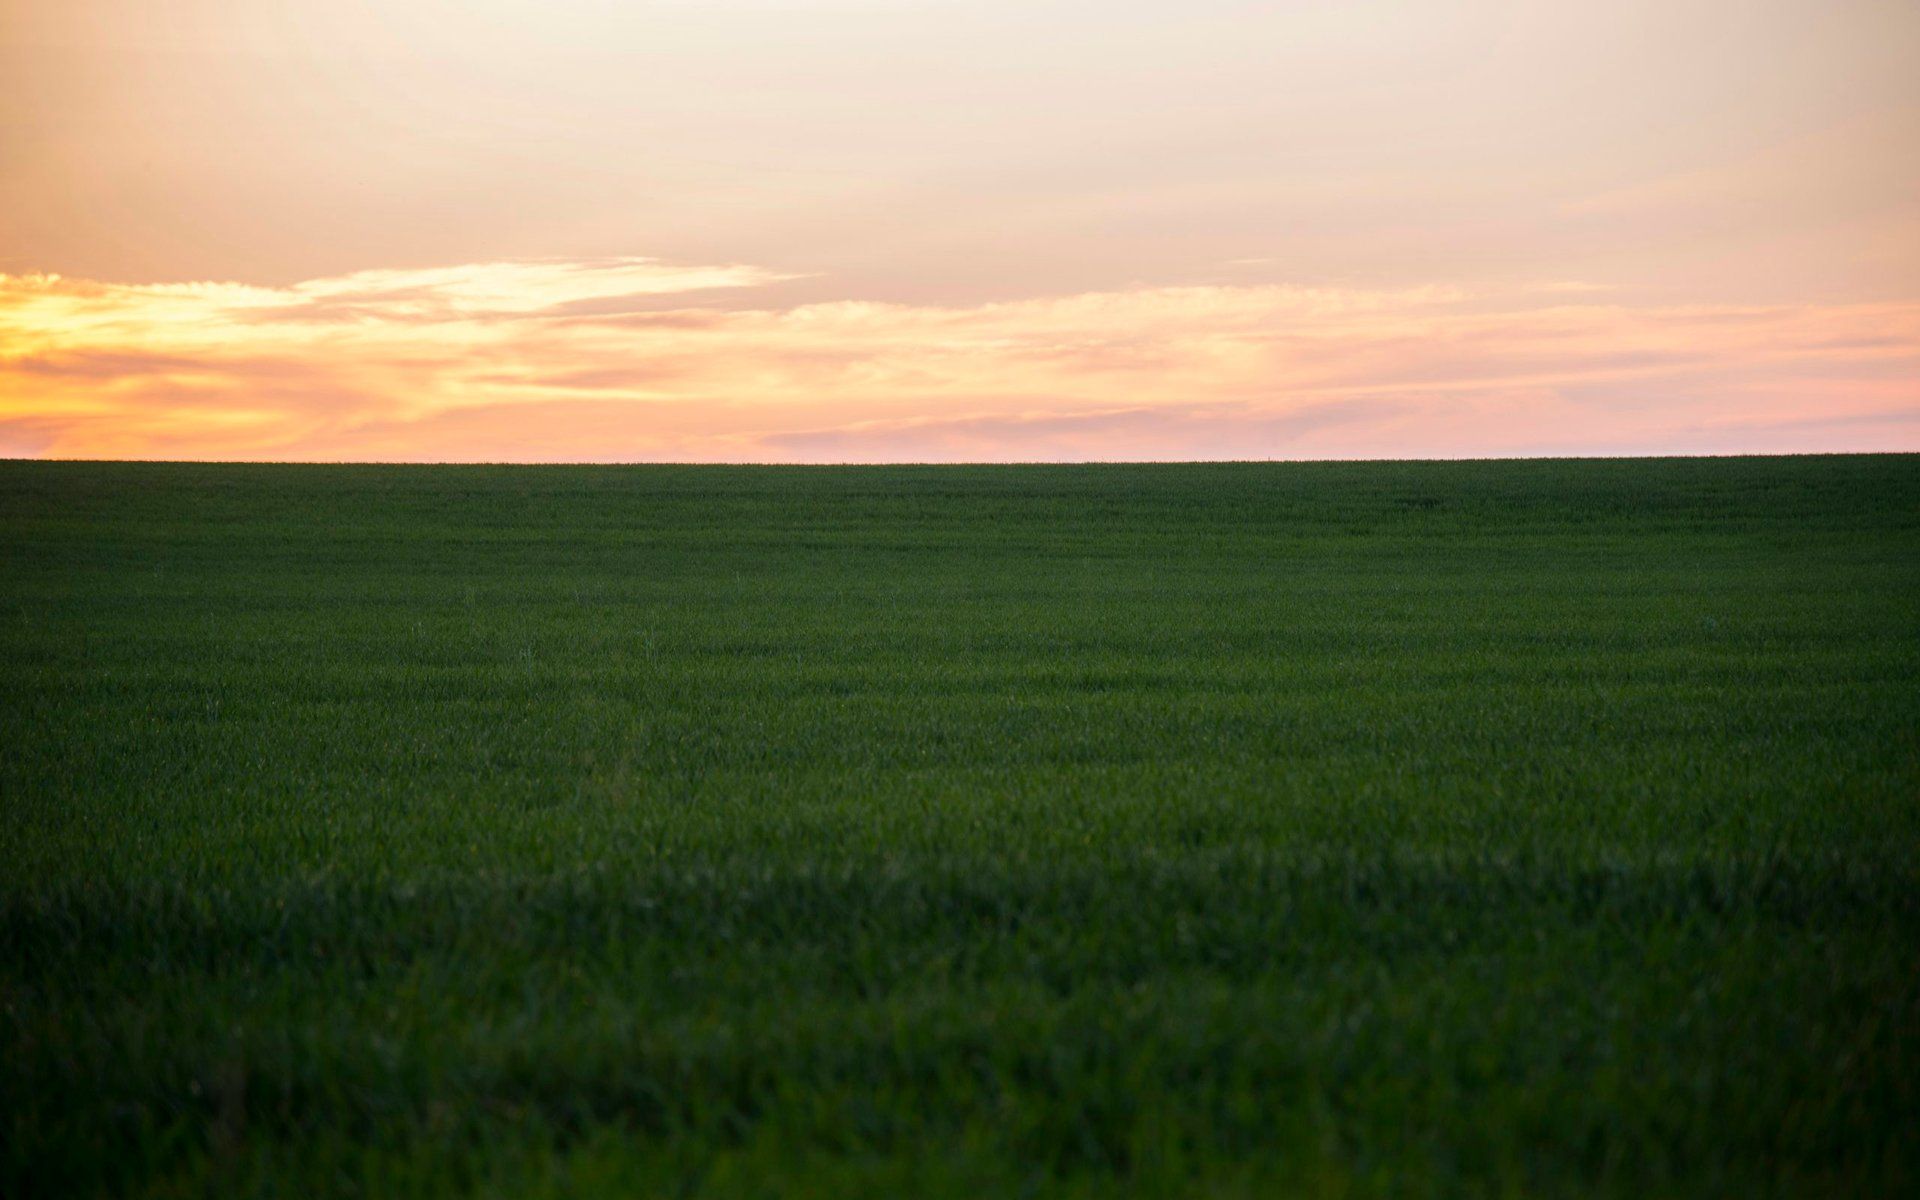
x=592, y=360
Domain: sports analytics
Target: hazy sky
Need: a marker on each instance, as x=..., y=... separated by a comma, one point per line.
x=919, y=229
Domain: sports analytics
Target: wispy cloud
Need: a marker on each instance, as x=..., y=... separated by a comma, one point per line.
x=630, y=358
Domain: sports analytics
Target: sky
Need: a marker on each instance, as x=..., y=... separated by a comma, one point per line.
x=956, y=230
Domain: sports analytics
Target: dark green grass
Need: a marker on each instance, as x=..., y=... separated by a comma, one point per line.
x=1533, y=827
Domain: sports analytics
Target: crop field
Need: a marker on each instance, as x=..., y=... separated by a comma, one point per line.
x=1543, y=827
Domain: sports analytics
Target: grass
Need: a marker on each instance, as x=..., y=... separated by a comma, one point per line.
x=1417, y=829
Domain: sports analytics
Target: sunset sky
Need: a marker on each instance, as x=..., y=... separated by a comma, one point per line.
x=886, y=230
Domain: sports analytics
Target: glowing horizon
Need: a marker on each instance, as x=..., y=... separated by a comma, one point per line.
x=871, y=232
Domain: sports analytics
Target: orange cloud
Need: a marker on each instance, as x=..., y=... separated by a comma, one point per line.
x=631, y=359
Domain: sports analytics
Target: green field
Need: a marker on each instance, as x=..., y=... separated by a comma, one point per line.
x=1328, y=829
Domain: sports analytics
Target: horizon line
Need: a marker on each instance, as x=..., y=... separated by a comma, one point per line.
x=939, y=463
